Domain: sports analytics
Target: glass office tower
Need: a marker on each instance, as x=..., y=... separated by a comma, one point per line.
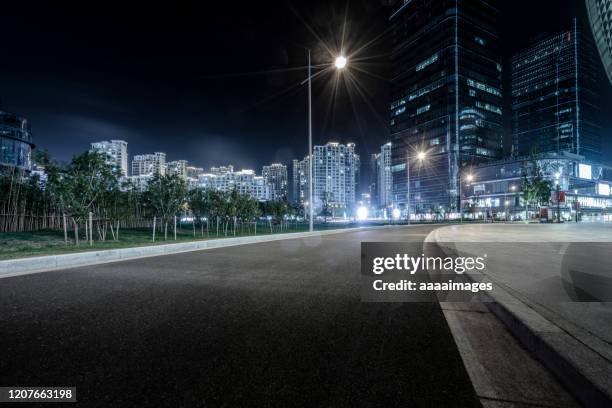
x=446, y=108
x=15, y=141
x=554, y=96
x=600, y=16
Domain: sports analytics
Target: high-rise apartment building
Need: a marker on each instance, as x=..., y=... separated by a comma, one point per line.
x=374, y=179
x=554, y=96
x=335, y=178
x=385, y=177
x=177, y=168
x=15, y=141
x=116, y=153
x=149, y=164
x=246, y=182
x=194, y=172
x=600, y=16
x=276, y=175
x=296, y=177
x=446, y=106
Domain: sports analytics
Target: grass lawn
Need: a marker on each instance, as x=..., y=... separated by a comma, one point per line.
x=25, y=244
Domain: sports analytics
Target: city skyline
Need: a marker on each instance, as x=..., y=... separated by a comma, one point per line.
x=160, y=109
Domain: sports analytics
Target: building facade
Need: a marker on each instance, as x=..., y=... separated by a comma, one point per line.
x=15, y=141
x=335, y=179
x=246, y=182
x=555, y=101
x=177, y=168
x=116, y=153
x=276, y=176
x=600, y=17
x=140, y=182
x=496, y=189
x=296, y=170
x=148, y=164
x=446, y=106
x=385, y=177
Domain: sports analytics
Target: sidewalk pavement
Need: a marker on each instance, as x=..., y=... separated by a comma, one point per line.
x=553, y=290
x=24, y=266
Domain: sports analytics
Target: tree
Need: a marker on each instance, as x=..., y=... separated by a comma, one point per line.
x=326, y=208
x=165, y=196
x=80, y=186
x=201, y=205
x=536, y=189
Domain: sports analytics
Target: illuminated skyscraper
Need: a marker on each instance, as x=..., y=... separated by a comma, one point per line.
x=149, y=164
x=447, y=97
x=600, y=16
x=336, y=176
x=276, y=176
x=177, y=168
x=115, y=152
x=555, y=96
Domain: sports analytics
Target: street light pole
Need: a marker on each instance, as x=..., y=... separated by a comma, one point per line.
x=408, y=185
x=460, y=200
x=558, y=185
x=420, y=156
x=468, y=178
x=340, y=63
x=310, y=164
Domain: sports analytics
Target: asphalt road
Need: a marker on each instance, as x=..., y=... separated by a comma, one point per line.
x=273, y=324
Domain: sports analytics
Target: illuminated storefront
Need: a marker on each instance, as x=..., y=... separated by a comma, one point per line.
x=497, y=189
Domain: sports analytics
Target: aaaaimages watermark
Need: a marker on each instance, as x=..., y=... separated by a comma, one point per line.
x=399, y=272
x=549, y=272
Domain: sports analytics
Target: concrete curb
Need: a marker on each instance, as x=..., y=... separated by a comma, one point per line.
x=585, y=373
x=26, y=266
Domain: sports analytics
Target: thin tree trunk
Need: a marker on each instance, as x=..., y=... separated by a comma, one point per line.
x=112, y=230
x=65, y=230
x=76, y=232
x=154, y=226
x=90, y=228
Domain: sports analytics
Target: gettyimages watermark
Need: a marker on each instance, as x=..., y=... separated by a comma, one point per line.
x=463, y=272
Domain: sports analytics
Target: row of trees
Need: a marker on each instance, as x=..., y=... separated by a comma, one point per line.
x=88, y=198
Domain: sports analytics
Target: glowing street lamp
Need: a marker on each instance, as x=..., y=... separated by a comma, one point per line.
x=420, y=156
x=340, y=62
x=469, y=179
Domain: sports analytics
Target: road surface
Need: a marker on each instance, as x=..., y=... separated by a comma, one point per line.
x=272, y=324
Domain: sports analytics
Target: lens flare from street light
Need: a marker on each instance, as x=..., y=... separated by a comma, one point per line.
x=341, y=62
x=421, y=156
x=362, y=213
x=469, y=177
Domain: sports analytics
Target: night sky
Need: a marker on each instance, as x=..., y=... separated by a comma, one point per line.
x=216, y=82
